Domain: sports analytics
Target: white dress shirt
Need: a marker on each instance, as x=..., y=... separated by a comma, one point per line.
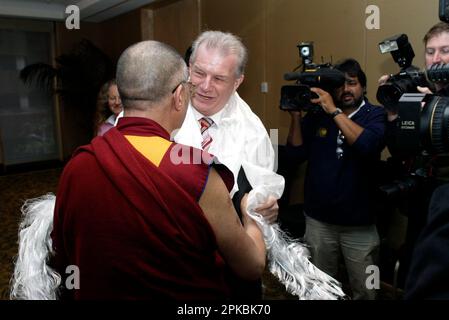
x=239, y=139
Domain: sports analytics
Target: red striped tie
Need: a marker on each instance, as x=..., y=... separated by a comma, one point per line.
x=205, y=123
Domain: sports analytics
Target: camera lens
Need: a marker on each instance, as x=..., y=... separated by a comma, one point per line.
x=435, y=124
x=305, y=51
x=389, y=93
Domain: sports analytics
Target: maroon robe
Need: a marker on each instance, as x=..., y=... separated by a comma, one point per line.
x=135, y=229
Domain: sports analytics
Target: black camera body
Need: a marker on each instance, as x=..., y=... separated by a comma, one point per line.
x=297, y=97
x=407, y=79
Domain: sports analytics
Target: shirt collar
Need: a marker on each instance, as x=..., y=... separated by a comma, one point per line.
x=357, y=110
x=215, y=117
x=111, y=119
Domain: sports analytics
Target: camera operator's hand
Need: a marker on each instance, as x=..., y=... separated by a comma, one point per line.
x=424, y=90
x=324, y=100
x=391, y=115
x=351, y=130
x=383, y=79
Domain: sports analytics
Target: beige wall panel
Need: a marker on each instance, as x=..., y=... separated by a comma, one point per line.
x=176, y=23
x=412, y=17
x=336, y=28
x=147, y=24
x=247, y=20
x=121, y=32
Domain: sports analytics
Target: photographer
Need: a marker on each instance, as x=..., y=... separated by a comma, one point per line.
x=342, y=146
x=436, y=42
x=428, y=275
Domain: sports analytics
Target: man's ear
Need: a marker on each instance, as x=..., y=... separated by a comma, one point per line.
x=238, y=81
x=179, y=97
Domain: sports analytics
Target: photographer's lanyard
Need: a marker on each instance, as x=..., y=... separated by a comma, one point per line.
x=341, y=137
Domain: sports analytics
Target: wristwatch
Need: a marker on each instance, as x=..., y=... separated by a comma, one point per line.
x=336, y=113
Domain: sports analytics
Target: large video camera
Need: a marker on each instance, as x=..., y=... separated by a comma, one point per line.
x=297, y=97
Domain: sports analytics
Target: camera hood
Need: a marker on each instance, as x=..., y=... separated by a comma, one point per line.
x=324, y=76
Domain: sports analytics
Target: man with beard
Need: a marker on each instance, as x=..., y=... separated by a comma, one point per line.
x=342, y=146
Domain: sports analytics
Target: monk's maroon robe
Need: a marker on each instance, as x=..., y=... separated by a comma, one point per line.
x=134, y=229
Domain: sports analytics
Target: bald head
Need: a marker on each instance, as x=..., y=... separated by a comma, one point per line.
x=147, y=72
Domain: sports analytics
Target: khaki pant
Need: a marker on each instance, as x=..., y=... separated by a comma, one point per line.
x=359, y=246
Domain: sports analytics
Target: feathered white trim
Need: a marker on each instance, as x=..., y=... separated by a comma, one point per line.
x=33, y=279
x=288, y=259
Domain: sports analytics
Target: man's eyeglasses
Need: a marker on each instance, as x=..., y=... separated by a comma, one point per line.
x=191, y=86
x=340, y=140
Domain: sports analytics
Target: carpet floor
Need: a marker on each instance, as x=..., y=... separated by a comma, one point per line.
x=14, y=190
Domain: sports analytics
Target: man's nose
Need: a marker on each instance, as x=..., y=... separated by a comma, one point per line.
x=346, y=88
x=205, y=84
x=436, y=58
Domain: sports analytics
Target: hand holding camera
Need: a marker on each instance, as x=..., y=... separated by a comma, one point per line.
x=325, y=100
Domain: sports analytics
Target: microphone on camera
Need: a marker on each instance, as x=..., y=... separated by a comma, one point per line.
x=328, y=77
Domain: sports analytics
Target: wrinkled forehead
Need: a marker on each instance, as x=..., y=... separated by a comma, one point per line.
x=215, y=61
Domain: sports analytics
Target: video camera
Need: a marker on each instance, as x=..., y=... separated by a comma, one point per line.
x=297, y=97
